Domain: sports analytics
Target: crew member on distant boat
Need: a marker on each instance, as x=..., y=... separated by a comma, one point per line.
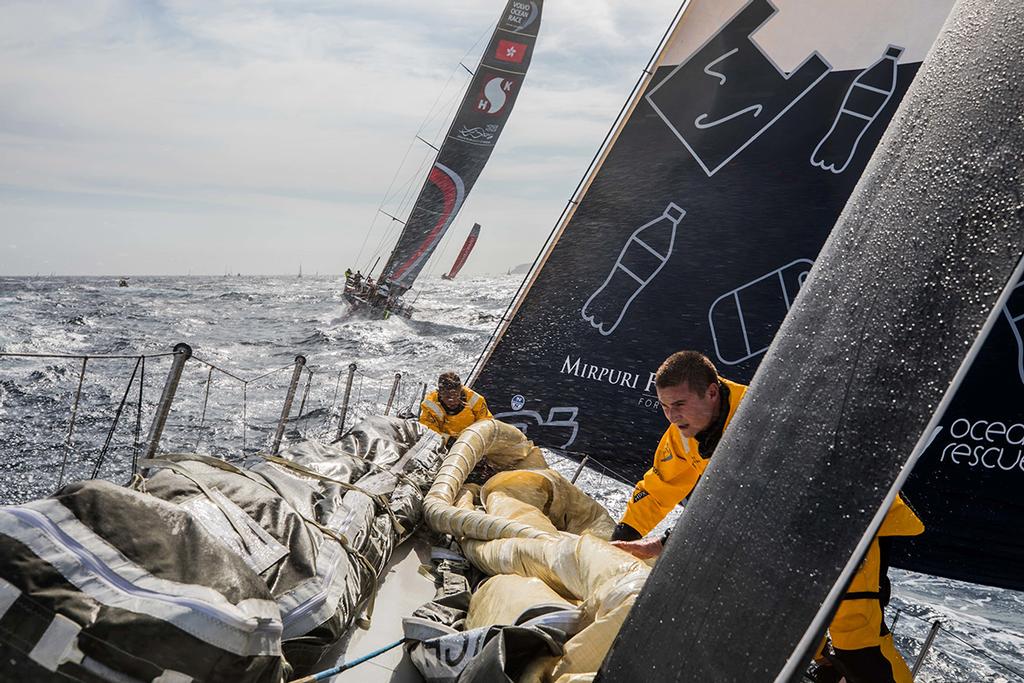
x=452, y=407
x=699, y=404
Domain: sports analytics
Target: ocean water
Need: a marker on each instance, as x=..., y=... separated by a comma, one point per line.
x=246, y=332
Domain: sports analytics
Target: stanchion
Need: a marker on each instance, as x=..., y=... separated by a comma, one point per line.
x=182, y=352
x=300, y=362
x=394, y=390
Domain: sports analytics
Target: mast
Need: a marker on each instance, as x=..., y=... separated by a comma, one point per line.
x=467, y=248
x=478, y=123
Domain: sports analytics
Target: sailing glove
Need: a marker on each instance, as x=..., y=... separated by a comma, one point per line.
x=624, y=532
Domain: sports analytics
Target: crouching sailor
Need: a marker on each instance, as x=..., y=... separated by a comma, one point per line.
x=699, y=406
x=452, y=407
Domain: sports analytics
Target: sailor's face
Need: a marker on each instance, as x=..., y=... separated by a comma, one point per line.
x=687, y=409
x=451, y=398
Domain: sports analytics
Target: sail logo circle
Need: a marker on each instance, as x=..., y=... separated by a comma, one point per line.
x=496, y=92
x=518, y=401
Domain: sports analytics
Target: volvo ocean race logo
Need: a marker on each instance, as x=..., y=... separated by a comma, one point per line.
x=479, y=135
x=518, y=401
x=521, y=15
x=496, y=92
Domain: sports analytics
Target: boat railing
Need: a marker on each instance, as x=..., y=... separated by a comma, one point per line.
x=76, y=416
x=82, y=407
x=940, y=650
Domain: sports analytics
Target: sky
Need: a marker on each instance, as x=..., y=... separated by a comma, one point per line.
x=181, y=137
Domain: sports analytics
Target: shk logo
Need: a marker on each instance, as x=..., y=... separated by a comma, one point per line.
x=495, y=94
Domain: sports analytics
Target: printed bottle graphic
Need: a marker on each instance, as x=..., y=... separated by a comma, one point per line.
x=641, y=259
x=744, y=321
x=1014, y=312
x=864, y=101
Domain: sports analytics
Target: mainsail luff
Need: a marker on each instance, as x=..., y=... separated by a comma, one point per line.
x=467, y=248
x=469, y=142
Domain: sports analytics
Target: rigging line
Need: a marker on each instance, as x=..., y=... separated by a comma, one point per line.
x=206, y=401
x=305, y=394
x=220, y=370
x=982, y=652
x=407, y=197
x=138, y=419
x=245, y=389
x=71, y=427
x=117, y=418
x=408, y=149
x=4, y=354
x=334, y=404
x=446, y=122
x=973, y=647
x=428, y=144
x=573, y=199
x=394, y=218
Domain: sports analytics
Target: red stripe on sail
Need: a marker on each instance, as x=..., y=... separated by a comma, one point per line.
x=449, y=193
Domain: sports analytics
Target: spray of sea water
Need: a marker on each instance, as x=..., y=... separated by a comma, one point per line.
x=246, y=332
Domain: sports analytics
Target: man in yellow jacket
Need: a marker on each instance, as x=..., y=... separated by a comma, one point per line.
x=452, y=407
x=699, y=404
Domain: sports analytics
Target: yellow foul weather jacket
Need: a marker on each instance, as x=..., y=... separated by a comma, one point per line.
x=434, y=416
x=677, y=467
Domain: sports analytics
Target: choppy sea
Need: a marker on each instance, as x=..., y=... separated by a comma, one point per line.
x=245, y=334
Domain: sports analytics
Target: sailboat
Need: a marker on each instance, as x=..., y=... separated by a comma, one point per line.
x=599, y=301
x=478, y=123
x=464, y=253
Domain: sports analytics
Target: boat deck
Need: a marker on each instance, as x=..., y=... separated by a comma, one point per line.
x=402, y=589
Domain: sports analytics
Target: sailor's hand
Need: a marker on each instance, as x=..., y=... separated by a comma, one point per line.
x=643, y=549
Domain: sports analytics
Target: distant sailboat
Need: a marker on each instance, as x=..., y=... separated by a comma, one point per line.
x=474, y=131
x=467, y=248
x=299, y=277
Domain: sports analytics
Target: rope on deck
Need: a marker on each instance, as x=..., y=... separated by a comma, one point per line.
x=329, y=673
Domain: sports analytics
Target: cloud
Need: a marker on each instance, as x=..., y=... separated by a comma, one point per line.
x=217, y=120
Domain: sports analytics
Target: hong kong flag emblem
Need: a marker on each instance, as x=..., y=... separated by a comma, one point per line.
x=509, y=51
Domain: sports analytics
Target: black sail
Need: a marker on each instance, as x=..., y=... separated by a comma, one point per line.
x=470, y=140
x=920, y=265
x=699, y=230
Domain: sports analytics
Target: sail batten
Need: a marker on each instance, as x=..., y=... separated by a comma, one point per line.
x=468, y=144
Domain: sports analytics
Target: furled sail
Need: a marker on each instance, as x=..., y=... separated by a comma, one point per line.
x=717, y=190
x=460, y=260
x=469, y=142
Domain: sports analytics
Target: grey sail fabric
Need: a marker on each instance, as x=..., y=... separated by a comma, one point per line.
x=105, y=583
x=328, y=516
x=210, y=571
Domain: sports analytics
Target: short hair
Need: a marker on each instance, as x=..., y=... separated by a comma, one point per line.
x=687, y=367
x=449, y=380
